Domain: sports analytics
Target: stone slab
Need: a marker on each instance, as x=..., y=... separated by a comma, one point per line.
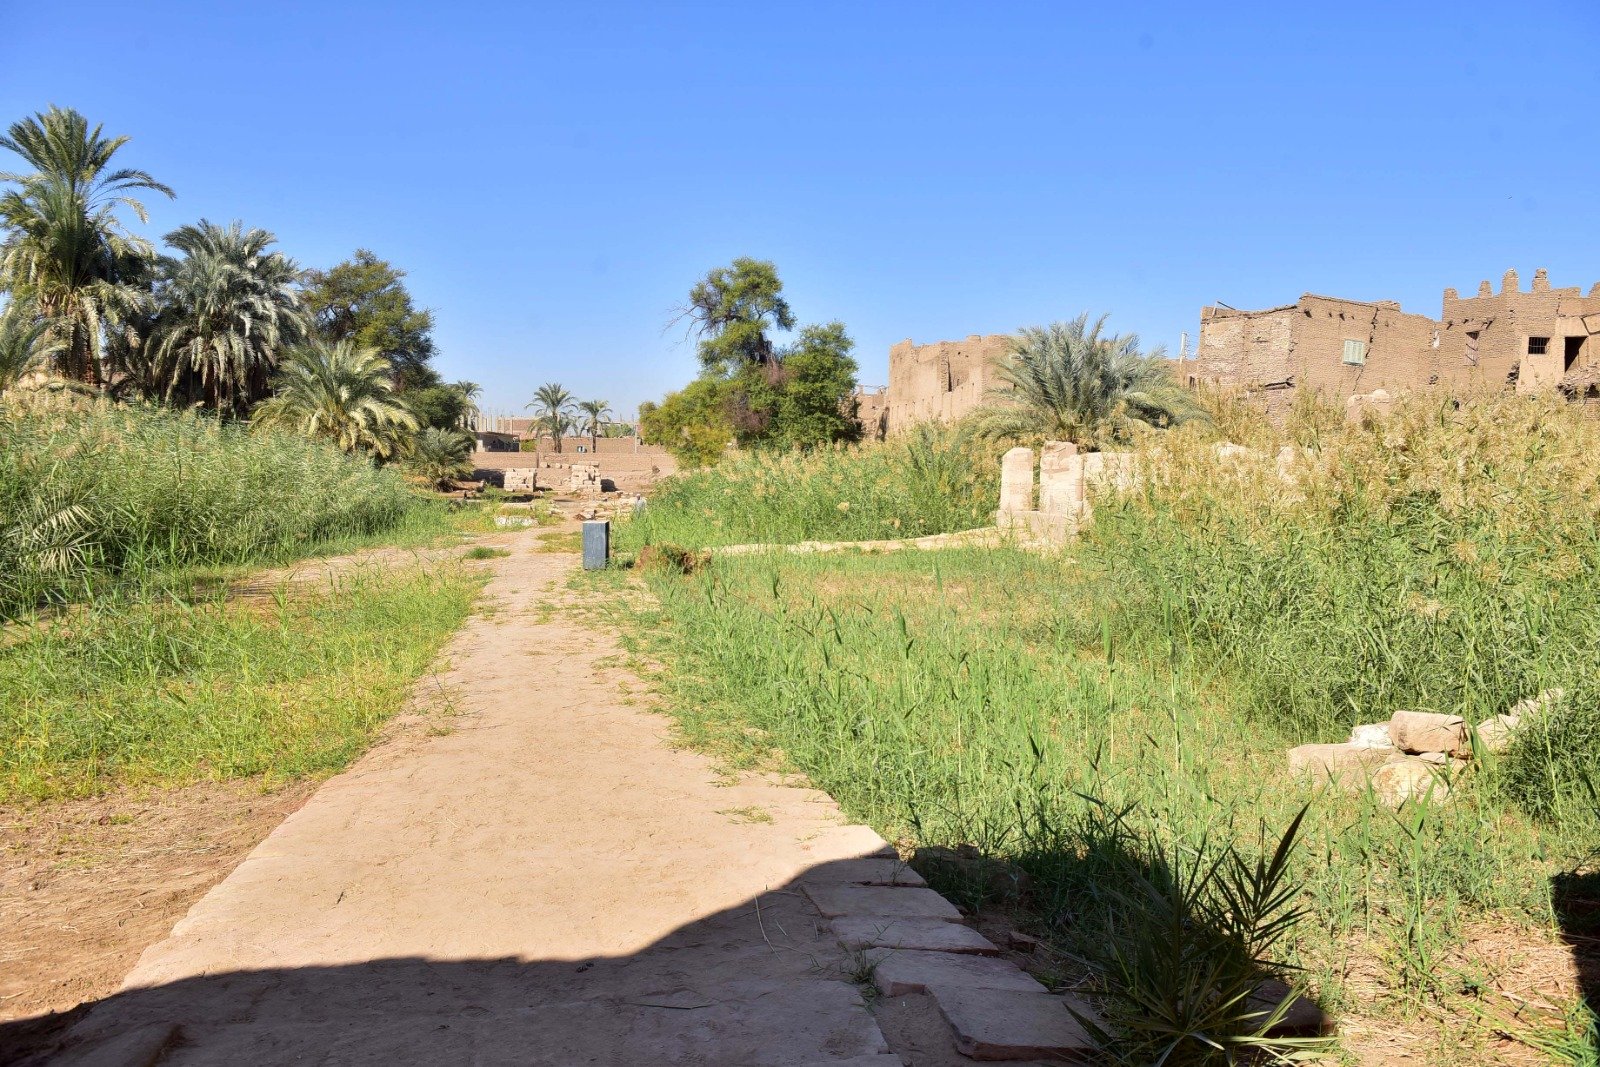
x=1002, y=1024
x=887, y=901
x=1345, y=764
x=929, y=935
x=899, y=973
x=869, y=870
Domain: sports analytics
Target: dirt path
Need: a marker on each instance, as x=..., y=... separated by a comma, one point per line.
x=551, y=882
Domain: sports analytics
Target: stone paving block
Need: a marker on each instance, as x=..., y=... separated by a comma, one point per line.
x=899, y=973
x=931, y=935
x=888, y=901
x=1001, y=1024
x=869, y=870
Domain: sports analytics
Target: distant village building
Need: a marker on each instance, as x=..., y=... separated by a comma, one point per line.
x=1531, y=341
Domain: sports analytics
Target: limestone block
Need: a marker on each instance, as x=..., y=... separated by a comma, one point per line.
x=899, y=973
x=1016, y=481
x=929, y=935
x=1539, y=705
x=1372, y=735
x=1344, y=764
x=1426, y=731
x=868, y=870
x=1002, y=1024
x=1494, y=734
x=1405, y=779
x=887, y=901
x=1061, y=489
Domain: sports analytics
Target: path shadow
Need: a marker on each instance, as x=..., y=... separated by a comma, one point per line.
x=763, y=982
x=1576, y=898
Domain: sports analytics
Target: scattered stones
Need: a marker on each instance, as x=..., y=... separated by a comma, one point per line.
x=1426, y=731
x=1345, y=764
x=521, y=480
x=1021, y=942
x=899, y=973
x=1003, y=1024
x=928, y=935
x=881, y=901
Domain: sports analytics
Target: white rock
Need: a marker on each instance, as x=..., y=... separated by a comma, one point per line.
x=1494, y=734
x=1405, y=779
x=1372, y=735
x=1539, y=705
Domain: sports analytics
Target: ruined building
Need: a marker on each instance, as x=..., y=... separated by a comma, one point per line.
x=1527, y=340
x=940, y=381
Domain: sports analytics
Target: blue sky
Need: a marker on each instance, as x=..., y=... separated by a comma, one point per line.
x=555, y=177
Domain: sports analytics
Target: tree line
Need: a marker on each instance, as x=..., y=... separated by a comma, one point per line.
x=218, y=318
x=752, y=392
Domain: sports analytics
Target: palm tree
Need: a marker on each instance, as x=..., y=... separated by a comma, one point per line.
x=25, y=346
x=66, y=257
x=596, y=417
x=1069, y=382
x=342, y=393
x=440, y=456
x=230, y=309
x=552, y=410
x=469, y=393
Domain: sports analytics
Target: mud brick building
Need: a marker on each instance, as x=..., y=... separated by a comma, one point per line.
x=1541, y=339
x=941, y=381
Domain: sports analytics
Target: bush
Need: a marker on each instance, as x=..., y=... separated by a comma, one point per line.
x=127, y=489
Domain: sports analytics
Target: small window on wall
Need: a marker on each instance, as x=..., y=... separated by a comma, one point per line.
x=1355, y=353
x=1538, y=345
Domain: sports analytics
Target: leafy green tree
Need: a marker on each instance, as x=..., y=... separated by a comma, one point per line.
x=340, y=393
x=229, y=309
x=364, y=300
x=439, y=457
x=1072, y=382
x=595, y=417
x=552, y=411
x=26, y=345
x=438, y=406
x=66, y=257
x=732, y=308
x=693, y=424
x=811, y=403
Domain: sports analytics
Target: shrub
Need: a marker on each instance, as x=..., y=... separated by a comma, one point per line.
x=131, y=488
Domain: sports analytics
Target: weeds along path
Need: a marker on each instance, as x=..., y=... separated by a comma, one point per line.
x=550, y=881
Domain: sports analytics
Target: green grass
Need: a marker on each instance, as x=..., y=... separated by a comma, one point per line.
x=934, y=481
x=166, y=692
x=93, y=494
x=1068, y=715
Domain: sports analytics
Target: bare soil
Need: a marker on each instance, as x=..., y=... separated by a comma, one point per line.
x=86, y=885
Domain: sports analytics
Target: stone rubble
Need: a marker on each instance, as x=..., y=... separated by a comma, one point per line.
x=1416, y=755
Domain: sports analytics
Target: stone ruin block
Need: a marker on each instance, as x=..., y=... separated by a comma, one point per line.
x=521, y=480
x=1424, y=731
x=585, y=478
x=1016, y=483
x=1061, y=489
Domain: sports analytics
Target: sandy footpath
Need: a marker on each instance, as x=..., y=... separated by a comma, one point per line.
x=549, y=882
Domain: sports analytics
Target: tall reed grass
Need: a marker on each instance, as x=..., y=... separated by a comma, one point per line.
x=92, y=490
x=1143, y=687
x=927, y=482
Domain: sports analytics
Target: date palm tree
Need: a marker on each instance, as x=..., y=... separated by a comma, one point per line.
x=552, y=408
x=469, y=393
x=341, y=393
x=439, y=457
x=230, y=309
x=596, y=417
x=66, y=257
x=26, y=345
x=1072, y=382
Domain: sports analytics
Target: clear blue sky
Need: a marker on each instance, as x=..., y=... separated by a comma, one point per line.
x=554, y=177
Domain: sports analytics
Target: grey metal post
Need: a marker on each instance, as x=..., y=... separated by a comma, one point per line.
x=596, y=544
